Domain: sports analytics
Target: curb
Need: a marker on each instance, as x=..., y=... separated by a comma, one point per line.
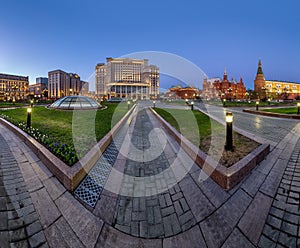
x=227, y=178
x=287, y=116
x=70, y=177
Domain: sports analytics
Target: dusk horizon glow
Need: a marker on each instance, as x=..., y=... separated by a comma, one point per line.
x=73, y=36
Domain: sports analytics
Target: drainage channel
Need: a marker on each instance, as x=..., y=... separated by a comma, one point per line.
x=92, y=185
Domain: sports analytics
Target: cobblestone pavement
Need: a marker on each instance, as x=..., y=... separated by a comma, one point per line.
x=159, y=215
x=282, y=227
x=19, y=223
x=262, y=211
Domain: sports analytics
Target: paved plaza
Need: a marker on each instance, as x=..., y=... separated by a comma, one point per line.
x=152, y=204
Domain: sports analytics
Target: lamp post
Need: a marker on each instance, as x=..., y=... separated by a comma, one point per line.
x=153, y=104
x=298, y=105
x=192, y=105
x=269, y=101
x=128, y=104
x=224, y=102
x=229, y=120
x=29, y=117
x=31, y=103
x=257, y=103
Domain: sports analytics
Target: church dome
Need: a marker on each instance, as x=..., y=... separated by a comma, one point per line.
x=75, y=102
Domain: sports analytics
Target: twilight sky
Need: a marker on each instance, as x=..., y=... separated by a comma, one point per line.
x=74, y=35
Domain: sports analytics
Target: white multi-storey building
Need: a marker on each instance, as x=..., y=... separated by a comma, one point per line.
x=127, y=78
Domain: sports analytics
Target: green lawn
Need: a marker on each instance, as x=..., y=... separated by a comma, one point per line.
x=207, y=134
x=21, y=104
x=82, y=128
x=289, y=111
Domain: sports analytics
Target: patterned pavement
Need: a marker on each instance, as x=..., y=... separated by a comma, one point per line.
x=282, y=225
x=159, y=215
x=19, y=223
x=262, y=211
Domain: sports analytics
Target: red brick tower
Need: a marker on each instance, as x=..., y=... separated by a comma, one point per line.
x=259, y=82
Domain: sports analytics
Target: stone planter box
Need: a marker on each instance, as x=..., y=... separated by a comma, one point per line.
x=227, y=178
x=70, y=177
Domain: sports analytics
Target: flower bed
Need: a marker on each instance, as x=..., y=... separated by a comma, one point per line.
x=64, y=151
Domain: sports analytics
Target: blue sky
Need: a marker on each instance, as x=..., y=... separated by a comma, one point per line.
x=39, y=36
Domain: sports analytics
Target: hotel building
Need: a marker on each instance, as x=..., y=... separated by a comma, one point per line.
x=62, y=84
x=223, y=89
x=127, y=78
x=13, y=88
x=274, y=89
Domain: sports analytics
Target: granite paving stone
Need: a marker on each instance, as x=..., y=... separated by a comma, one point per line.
x=254, y=218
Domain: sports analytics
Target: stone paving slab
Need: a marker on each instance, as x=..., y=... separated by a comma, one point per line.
x=192, y=238
x=111, y=238
x=80, y=219
x=219, y=225
x=60, y=234
x=253, y=220
x=47, y=210
x=237, y=240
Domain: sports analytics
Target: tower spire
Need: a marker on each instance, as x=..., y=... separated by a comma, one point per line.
x=259, y=69
x=225, y=75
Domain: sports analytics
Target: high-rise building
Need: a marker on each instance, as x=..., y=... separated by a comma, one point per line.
x=42, y=80
x=84, y=88
x=274, y=89
x=13, y=88
x=63, y=84
x=127, y=78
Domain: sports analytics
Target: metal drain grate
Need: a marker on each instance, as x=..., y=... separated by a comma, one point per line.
x=92, y=185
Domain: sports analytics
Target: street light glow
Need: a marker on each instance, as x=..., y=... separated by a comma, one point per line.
x=229, y=117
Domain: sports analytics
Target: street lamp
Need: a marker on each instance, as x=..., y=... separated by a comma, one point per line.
x=128, y=104
x=192, y=105
x=153, y=104
x=298, y=105
x=257, y=103
x=229, y=120
x=31, y=103
x=269, y=101
x=29, y=117
x=224, y=102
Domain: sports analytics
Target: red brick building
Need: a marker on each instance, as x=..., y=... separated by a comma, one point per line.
x=182, y=93
x=225, y=89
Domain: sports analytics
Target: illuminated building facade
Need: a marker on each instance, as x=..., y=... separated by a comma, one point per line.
x=223, y=89
x=62, y=84
x=274, y=89
x=13, y=88
x=182, y=93
x=37, y=90
x=127, y=78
